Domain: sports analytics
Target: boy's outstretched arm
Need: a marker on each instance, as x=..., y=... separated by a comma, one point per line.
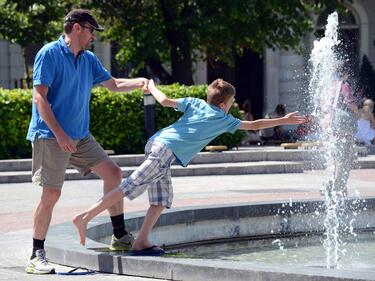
x=160, y=96
x=289, y=119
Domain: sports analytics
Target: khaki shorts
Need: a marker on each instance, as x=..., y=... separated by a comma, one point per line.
x=50, y=162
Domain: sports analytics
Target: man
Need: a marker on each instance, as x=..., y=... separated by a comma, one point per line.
x=64, y=74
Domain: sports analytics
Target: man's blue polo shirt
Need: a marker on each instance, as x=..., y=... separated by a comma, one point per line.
x=69, y=82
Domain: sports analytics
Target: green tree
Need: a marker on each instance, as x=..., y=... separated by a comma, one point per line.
x=367, y=78
x=163, y=36
x=27, y=22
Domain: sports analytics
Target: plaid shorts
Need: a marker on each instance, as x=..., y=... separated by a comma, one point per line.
x=154, y=174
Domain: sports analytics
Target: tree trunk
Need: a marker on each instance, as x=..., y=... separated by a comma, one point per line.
x=182, y=65
x=159, y=71
x=181, y=61
x=28, y=79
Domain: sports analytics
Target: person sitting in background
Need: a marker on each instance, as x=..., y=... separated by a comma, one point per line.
x=275, y=133
x=370, y=104
x=246, y=107
x=365, y=132
x=251, y=136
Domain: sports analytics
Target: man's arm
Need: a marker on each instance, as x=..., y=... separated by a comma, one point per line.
x=45, y=111
x=160, y=96
x=289, y=119
x=124, y=85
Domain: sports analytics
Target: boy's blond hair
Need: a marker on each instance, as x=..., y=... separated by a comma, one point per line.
x=220, y=91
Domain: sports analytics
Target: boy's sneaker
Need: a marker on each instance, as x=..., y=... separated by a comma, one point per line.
x=39, y=264
x=123, y=244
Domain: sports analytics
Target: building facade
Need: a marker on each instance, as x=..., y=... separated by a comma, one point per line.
x=285, y=72
x=12, y=62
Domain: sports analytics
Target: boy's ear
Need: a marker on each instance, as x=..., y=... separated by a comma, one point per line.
x=222, y=105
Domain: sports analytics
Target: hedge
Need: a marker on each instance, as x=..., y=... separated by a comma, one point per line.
x=15, y=113
x=117, y=119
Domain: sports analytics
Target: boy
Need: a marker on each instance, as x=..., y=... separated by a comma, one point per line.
x=202, y=122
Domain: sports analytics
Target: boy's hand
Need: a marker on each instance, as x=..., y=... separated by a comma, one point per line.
x=292, y=118
x=151, y=85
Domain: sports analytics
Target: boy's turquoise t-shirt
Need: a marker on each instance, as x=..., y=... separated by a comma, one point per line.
x=199, y=125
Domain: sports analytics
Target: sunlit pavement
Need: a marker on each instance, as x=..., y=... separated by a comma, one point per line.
x=17, y=202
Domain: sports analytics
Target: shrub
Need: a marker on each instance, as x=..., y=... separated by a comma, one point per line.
x=15, y=114
x=117, y=119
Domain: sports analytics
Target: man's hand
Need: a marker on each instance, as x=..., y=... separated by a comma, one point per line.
x=292, y=118
x=145, y=87
x=142, y=82
x=66, y=143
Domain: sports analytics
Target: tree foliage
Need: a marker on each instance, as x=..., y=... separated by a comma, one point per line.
x=168, y=36
x=26, y=22
x=367, y=78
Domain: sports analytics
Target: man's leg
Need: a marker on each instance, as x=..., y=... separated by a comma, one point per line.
x=42, y=218
x=111, y=175
x=48, y=171
x=43, y=212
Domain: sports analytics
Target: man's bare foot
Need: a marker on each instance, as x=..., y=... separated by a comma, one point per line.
x=81, y=225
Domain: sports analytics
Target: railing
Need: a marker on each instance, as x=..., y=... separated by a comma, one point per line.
x=23, y=83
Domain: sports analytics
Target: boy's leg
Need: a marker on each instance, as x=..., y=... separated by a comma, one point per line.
x=81, y=220
x=160, y=196
x=153, y=214
x=111, y=175
x=147, y=173
x=90, y=157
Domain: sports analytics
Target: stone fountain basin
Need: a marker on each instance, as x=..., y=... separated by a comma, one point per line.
x=184, y=227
